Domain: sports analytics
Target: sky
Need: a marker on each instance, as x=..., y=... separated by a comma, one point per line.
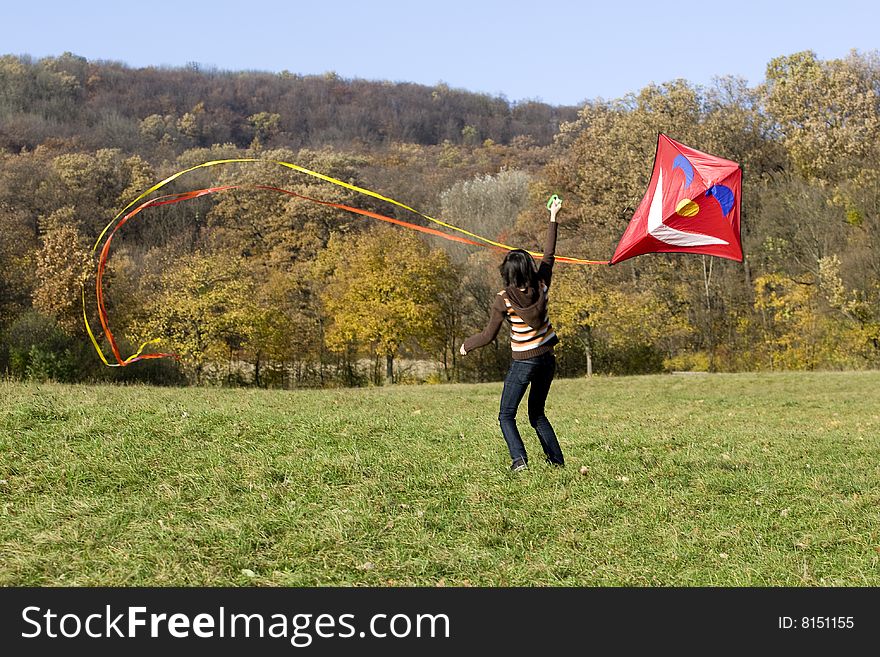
x=560, y=52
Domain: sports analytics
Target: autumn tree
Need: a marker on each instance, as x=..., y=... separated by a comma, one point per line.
x=487, y=204
x=382, y=292
x=277, y=229
x=826, y=111
x=203, y=311
x=62, y=265
x=286, y=328
x=17, y=250
x=628, y=328
x=265, y=125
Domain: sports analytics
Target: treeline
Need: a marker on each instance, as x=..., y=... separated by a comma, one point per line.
x=163, y=111
x=254, y=287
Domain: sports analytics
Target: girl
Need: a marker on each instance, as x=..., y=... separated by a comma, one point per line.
x=523, y=303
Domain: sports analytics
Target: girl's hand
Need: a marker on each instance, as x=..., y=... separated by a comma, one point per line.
x=554, y=208
x=462, y=351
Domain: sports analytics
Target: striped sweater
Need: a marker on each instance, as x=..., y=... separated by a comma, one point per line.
x=531, y=333
x=527, y=341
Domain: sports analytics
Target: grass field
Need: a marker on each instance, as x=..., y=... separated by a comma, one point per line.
x=754, y=479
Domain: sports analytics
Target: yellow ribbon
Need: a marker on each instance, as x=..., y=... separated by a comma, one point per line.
x=300, y=169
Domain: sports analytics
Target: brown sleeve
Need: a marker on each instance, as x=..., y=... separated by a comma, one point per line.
x=545, y=269
x=488, y=334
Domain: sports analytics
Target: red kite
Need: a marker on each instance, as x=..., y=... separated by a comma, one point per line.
x=692, y=206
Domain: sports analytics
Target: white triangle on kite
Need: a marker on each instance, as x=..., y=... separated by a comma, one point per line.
x=660, y=231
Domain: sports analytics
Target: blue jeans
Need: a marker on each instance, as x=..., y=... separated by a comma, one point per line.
x=539, y=372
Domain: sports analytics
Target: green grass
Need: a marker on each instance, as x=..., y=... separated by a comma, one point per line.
x=755, y=479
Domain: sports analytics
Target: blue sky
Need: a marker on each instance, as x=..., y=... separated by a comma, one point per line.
x=560, y=52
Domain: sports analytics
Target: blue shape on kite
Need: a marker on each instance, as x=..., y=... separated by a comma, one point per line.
x=724, y=196
x=681, y=162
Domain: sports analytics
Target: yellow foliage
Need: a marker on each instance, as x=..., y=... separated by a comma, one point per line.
x=797, y=334
x=697, y=361
x=620, y=316
x=61, y=267
x=203, y=310
x=382, y=290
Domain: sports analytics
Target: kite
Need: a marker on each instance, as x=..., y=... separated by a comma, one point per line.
x=692, y=205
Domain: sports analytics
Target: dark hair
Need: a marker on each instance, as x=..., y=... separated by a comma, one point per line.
x=518, y=270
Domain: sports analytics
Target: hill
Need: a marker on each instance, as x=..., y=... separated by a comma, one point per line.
x=97, y=103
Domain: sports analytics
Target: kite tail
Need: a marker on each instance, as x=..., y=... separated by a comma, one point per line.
x=133, y=209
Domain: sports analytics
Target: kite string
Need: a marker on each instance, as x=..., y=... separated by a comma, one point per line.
x=339, y=183
x=122, y=218
x=176, y=198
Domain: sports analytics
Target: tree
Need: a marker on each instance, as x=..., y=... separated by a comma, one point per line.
x=827, y=113
x=17, y=248
x=97, y=185
x=281, y=230
x=488, y=204
x=286, y=327
x=62, y=264
x=265, y=126
x=203, y=311
x=625, y=329
x=383, y=292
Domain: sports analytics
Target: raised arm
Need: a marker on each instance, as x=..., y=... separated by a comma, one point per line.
x=545, y=269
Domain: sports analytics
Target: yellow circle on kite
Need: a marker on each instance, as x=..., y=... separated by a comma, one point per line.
x=687, y=208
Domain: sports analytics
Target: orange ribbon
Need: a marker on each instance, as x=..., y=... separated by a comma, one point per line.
x=118, y=223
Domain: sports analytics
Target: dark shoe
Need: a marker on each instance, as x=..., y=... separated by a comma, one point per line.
x=556, y=464
x=518, y=465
